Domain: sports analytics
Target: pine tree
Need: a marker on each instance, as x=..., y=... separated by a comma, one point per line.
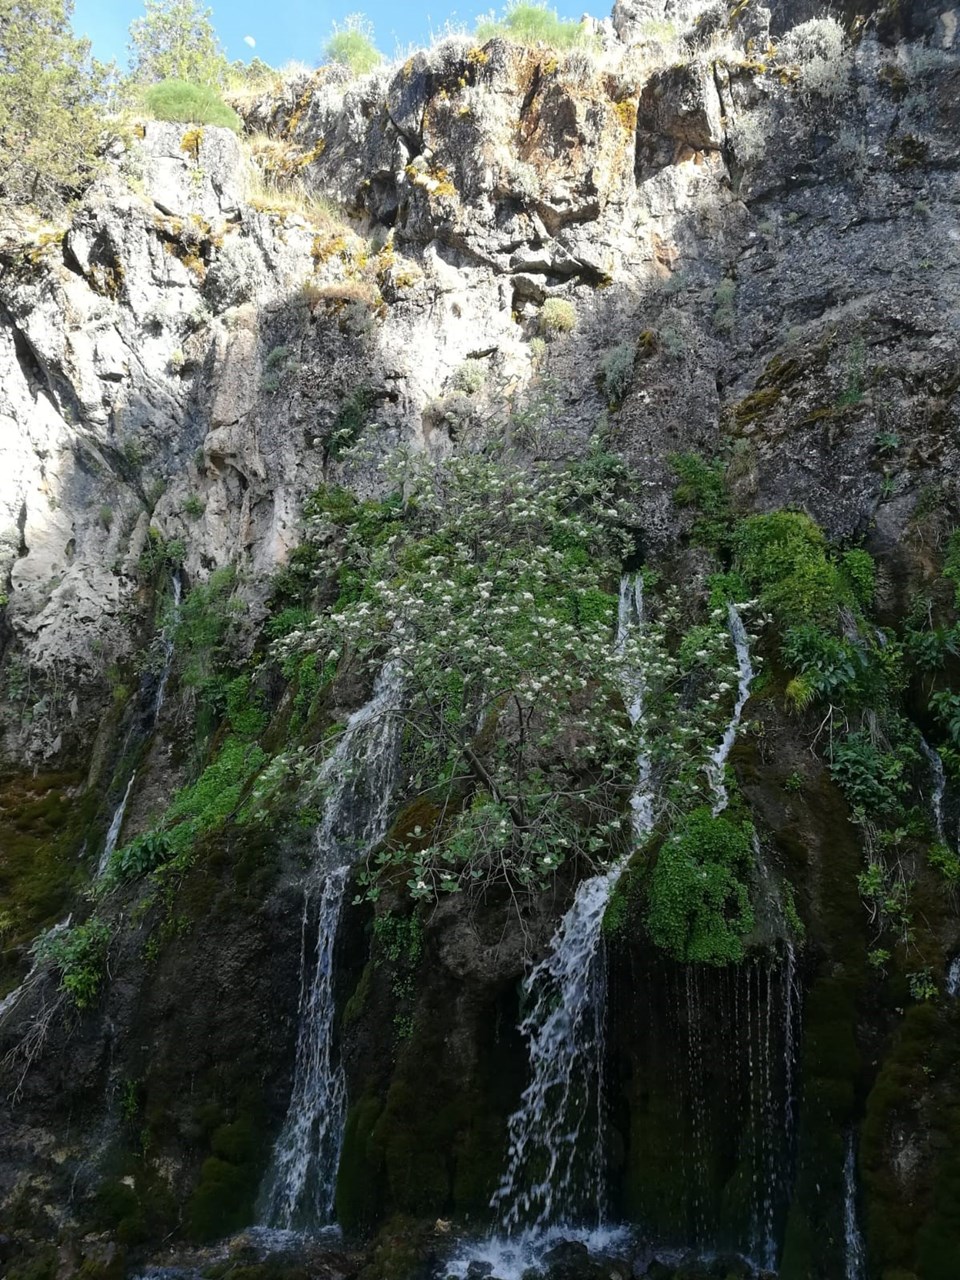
x=50, y=106
x=175, y=40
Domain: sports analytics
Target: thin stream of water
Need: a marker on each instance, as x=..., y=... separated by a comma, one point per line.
x=358, y=777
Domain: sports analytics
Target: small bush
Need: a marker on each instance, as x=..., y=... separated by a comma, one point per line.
x=699, y=907
x=351, y=45
x=785, y=554
x=531, y=24
x=470, y=377
x=820, y=49
x=616, y=370
x=189, y=104
x=81, y=956
x=557, y=316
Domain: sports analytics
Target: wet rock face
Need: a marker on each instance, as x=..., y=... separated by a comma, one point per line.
x=766, y=255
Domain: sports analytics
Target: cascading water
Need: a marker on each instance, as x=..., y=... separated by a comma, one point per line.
x=116, y=822
x=554, y=1172
x=169, y=632
x=938, y=774
x=167, y=636
x=358, y=779
x=718, y=760
x=853, y=1252
x=953, y=978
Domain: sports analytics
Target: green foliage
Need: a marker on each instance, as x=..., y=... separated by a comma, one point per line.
x=139, y=855
x=947, y=862
x=928, y=648
x=922, y=985
x=946, y=706
x=215, y=796
x=245, y=712
x=352, y=45
x=557, y=315
x=51, y=107
x=616, y=371
x=829, y=667
x=175, y=40
x=874, y=779
x=699, y=908
x=861, y=574
x=531, y=24
x=186, y=103
x=159, y=555
x=701, y=485
x=785, y=555
x=193, y=506
x=951, y=565
x=470, y=376
x=80, y=954
x=350, y=420
x=488, y=587
x=204, y=635
x=724, y=297
x=399, y=938
x=196, y=810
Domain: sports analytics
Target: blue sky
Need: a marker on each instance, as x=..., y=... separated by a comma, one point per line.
x=286, y=29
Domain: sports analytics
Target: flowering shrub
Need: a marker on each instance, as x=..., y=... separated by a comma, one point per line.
x=491, y=588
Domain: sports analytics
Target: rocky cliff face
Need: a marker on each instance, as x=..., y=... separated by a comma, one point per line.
x=738, y=244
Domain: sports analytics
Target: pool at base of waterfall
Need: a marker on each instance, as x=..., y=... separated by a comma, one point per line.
x=597, y=1253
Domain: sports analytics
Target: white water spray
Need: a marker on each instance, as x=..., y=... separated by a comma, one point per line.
x=547, y=1160
x=953, y=978
x=938, y=774
x=116, y=822
x=358, y=777
x=718, y=761
x=852, y=1240
x=169, y=632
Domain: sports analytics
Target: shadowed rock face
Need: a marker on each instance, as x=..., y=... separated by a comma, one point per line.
x=769, y=236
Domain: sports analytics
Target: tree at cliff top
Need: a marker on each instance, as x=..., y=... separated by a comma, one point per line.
x=51, y=104
x=175, y=40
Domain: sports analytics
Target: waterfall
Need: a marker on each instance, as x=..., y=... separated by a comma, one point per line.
x=939, y=787
x=564, y=1029
x=358, y=779
x=169, y=632
x=167, y=635
x=852, y=1240
x=953, y=977
x=116, y=822
x=718, y=760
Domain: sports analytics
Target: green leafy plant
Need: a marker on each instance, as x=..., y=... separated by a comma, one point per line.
x=351, y=45
x=557, y=315
x=175, y=40
x=198, y=104
x=616, y=371
x=531, y=24
x=702, y=486
x=699, y=908
x=80, y=954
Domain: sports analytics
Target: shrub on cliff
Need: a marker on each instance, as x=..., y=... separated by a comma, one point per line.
x=351, y=45
x=189, y=104
x=51, y=104
x=530, y=24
